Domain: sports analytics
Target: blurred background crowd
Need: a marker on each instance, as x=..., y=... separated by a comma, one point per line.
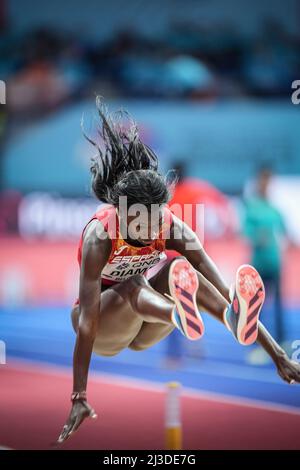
x=184, y=54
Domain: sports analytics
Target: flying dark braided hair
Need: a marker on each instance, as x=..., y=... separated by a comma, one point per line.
x=124, y=165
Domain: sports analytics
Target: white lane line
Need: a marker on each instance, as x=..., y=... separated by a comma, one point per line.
x=141, y=384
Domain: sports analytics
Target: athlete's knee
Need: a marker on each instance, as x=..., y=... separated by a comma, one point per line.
x=138, y=280
x=135, y=281
x=134, y=286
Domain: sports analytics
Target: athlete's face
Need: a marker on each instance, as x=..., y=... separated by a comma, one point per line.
x=145, y=227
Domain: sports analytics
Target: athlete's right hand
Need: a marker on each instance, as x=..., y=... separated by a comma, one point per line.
x=79, y=412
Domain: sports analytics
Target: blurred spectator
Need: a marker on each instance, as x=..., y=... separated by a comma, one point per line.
x=184, y=74
x=213, y=216
x=265, y=230
x=39, y=86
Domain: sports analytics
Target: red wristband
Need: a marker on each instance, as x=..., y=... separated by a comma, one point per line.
x=78, y=396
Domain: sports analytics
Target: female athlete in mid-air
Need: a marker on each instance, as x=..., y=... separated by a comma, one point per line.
x=120, y=305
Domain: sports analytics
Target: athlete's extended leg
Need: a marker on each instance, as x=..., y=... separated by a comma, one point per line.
x=241, y=316
x=207, y=297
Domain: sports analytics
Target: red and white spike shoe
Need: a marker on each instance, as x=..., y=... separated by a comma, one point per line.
x=183, y=286
x=247, y=297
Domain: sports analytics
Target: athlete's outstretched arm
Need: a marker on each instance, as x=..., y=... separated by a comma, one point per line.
x=287, y=369
x=95, y=253
x=186, y=242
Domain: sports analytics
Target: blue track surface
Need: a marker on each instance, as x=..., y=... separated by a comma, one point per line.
x=45, y=334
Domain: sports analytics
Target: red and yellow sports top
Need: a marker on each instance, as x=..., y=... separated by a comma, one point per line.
x=126, y=260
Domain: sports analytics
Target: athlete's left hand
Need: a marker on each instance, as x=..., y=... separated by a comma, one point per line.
x=79, y=412
x=288, y=369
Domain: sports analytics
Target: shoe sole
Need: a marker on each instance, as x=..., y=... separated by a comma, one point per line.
x=248, y=300
x=183, y=286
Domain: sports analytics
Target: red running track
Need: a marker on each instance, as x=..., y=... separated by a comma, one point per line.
x=34, y=405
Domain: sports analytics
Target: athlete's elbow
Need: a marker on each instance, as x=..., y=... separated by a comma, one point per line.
x=87, y=328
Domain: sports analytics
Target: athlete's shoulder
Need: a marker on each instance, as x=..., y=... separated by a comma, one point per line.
x=96, y=244
x=107, y=215
x=96, y=235
x=105, y=212
x=167, y=222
